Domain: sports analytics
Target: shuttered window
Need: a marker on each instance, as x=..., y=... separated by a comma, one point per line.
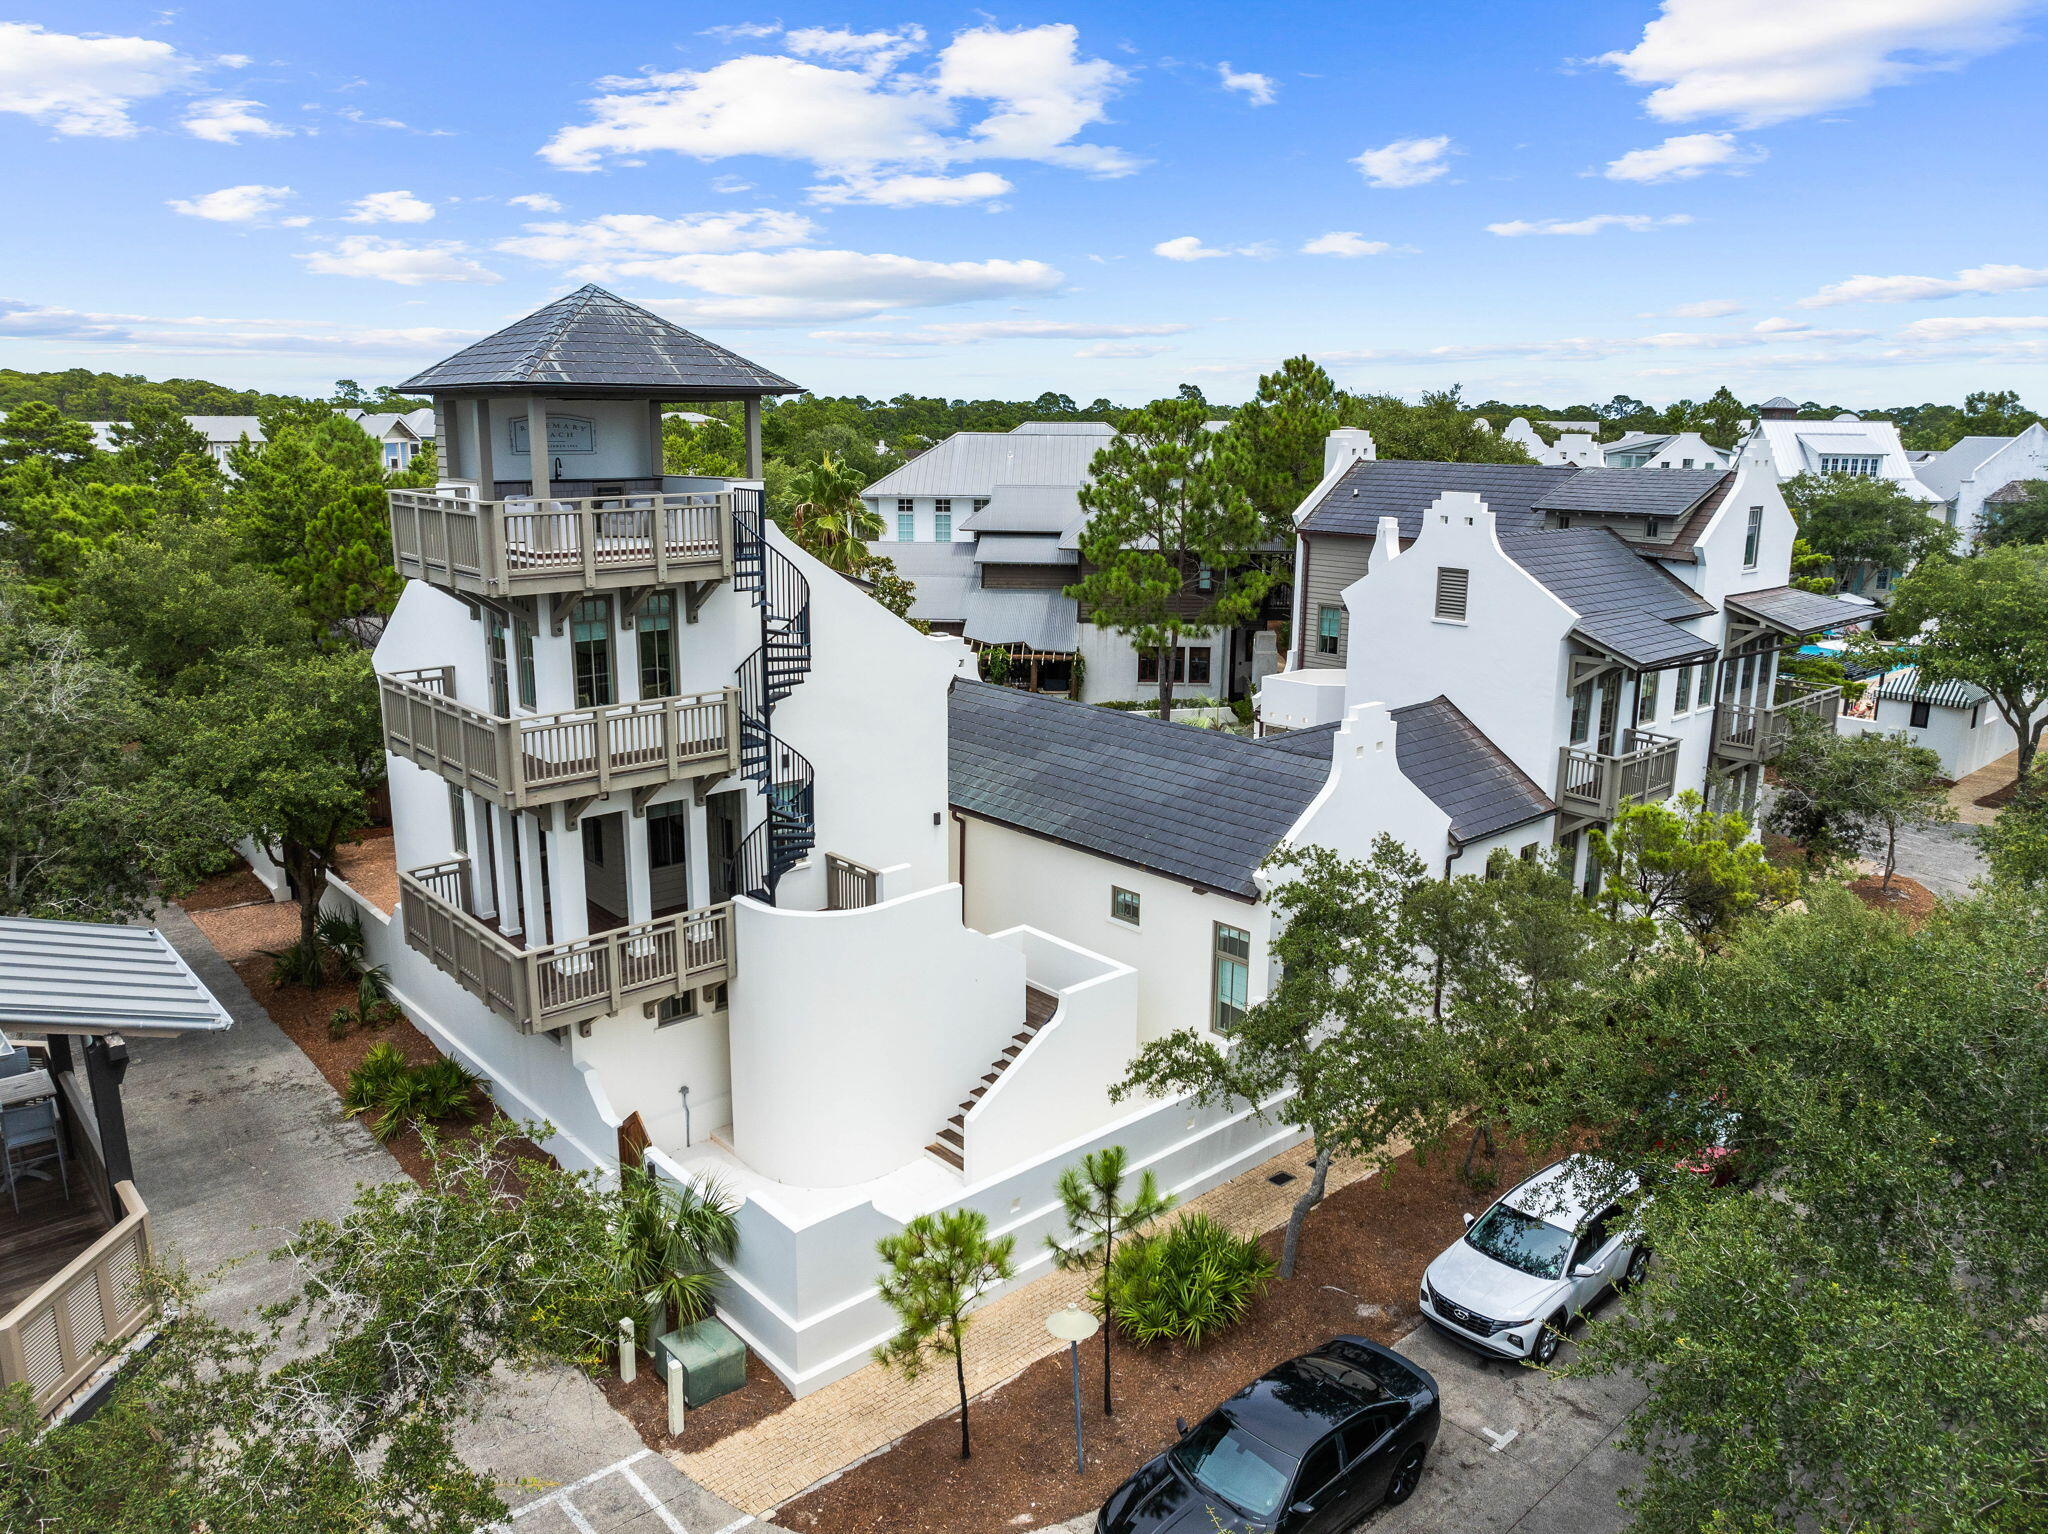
x=1452, y=587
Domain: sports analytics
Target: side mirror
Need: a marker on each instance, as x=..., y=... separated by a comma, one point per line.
x=1180, y=1426
x=1589, y=1270
x=1468, y=1222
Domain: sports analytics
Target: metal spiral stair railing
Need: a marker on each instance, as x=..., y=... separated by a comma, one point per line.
x=788, y=826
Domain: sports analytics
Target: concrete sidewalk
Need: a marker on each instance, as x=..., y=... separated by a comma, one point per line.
x=238, y=1140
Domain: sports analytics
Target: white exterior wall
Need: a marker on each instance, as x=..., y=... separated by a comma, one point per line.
x=924, y=509
x=2025, y=457
x=1948, y=733
x=1367, y=796
x=1111, y=664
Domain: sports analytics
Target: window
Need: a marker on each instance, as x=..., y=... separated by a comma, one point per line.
x=980, y=502
x=501, y=687
x=1452, y=588
x=1884, y=580
x=1681, y=693
x=667, y=825
x=1123, y=905
x=1646, y=697
x=1653, y=527
x=1233, y=966
x=676, y=1009
x=1196, y=665
x=593, y=841
x=522, y=645
x=942, y=524
x=458, y=820
x=1318, y=1470
x=1594, y=1236
x=1190, y=665
x=656, y=623
x=1920, y=713
x=1867, y=466
x=590, y=641
x=1582, y=712
x=1752, y=540
x=1368, y=1428
x=1329, y=626
x=906, y=527
x=391, y=455
x=1685, y=463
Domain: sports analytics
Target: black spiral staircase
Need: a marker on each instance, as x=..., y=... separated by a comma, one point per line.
x=788, y=829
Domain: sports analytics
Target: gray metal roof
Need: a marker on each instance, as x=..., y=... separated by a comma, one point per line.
x=1444, y=754
x=1904, y=686
x=1641, y=640
x=1027, y=509
x=1945, y=472
x=1792, y=611
x=90, y=977
x=1191, y=804
x=1631, y=492
x=1022, y=549
x=1097, y=429
x=592, y=339
x=974, y=463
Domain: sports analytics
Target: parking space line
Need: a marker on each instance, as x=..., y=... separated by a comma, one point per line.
x=652, y=1501
x=1502, y=1440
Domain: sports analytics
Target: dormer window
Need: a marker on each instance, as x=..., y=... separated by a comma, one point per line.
x=1865, y=466
x=1653, y=527
x=1452, y=589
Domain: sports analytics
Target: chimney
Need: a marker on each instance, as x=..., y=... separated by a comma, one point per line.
x=1344, y=446
x=1779, y=409
x=1386, y=543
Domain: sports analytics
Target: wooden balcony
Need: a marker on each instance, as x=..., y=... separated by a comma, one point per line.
x=541, y=989
x=1592, y=785
x=1745, y=733
x=849, y=886
x=593, y=543
x=60, y=1334
x=541, y=759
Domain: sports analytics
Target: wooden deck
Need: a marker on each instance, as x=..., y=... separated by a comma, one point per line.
x=49, y=1232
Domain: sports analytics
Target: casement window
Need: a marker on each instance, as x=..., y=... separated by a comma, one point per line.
x=1753, y=538
x=980, y=502
x=1582, y=712
x=1452, y=589
x=1653, y=527
x=590, y=644
x=1681, y=693
x=1123, y=905
x=1685, y=463
x=1920, y=713
x=906, y=526
x=667, y=829
x=522, y=651
x=942, y=523
x=458, y=820
x=1646, y=697
x=676, y=1009
x=656, y=625
x=497, y=668
x=1884, y=579
x=1329, y=629
x=1190, y=666
x=1868, y=466
x=1233, y=972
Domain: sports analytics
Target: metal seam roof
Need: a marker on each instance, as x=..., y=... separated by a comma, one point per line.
x=84, y=977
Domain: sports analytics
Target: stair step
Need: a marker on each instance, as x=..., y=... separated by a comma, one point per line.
x=948, y=1155
x=950, y=1135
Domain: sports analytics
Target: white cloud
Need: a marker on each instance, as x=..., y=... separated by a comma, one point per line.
x=369, y=255
x=1763, y=61
x=1405, y=162
x=1121, y=349
x=1257, y=89
x=390, y=208
x=1684, y=156
x=83, y=86
x=1702, y=309
x=596, y=247
x=540, y=202
x=1635, y=223
x=1344, y=242
x=209, y=334
x=741, y=29
x=812, y=286
x=970, y=332
x=1949, y=327
x=912, y=190
x=1975, y=281
x=229, y=119
x=730, y=186
x=1189, y=247
x=868, y=122
x=232, y=204
x=875, y=52
x=363, y=119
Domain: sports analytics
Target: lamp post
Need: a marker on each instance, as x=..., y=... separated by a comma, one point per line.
x=1074, y=1326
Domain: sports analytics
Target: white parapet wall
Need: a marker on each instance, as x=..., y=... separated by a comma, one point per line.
x=1300, y=700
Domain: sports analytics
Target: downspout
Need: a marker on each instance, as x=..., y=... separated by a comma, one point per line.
x=1437, y=1004
x=1300, y=635
x=960, y=873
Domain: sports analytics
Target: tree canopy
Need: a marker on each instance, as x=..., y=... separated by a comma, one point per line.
x=1861, y=525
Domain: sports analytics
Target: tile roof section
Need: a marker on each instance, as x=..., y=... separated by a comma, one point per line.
x=1632, y=492
x=592, y=339
x=1793, y=611
x=1591, y=570
x=1191, y=804
x=1467, y=776
x=1388, y=487
x=1642, y=641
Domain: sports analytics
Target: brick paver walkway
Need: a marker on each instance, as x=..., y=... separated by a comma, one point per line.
x=772, y=1462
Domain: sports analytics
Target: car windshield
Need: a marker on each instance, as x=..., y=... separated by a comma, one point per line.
x=1234, y=1466
x=1521, y=1241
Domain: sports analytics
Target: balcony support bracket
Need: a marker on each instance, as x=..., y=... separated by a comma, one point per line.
x=641, y=797
x=572, y=810
x=1586, y=667
x=694, y=593
x=558, y=610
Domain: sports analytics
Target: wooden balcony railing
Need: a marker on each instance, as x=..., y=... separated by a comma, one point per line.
x=54, y=1340
x=1593, y=784
x=571, y=982
x=849, y=886
x=544, y=758
x=1745, y=732
x=516, y=547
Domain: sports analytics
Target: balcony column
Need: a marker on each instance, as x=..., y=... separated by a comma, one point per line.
x=639, y=874
x=537, y=447
x=571, y=906
x=486, y=465
x=505, y=867
x=657, y=445
x=526, y=828
x=754, y=436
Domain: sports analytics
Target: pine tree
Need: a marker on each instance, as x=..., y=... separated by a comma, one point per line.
x=36, y=430
x=933, y=1272
x=1092, y=1199
x=1273, y=447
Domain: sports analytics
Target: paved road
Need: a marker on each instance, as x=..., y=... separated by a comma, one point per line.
x=238, y=1140
x=1944, y=858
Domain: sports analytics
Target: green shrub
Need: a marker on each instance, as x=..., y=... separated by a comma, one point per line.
x=441, y=1089
x=1186, y=1283
x=301, y=963
x=392, y=1095
x=339, y=1021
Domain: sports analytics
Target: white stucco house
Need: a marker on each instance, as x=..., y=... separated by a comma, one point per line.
x=1664, y=450
x=1574, y=442
x=1957, y=721
x=1976, y=469
x=400, y=436
x=987, y=526
x=1848, y=444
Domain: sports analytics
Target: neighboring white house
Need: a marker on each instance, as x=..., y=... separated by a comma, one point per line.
x=399, y=436
x=1955, y=720
x=986, y=526
x=1664, y=450
x=1576, y=442
x=1848, y=444
x=1976, y=469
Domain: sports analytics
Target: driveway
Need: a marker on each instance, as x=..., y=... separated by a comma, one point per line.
x=238, y=1140
x=1944, y=858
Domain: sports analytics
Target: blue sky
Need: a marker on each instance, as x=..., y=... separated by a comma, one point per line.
x=1824, y=198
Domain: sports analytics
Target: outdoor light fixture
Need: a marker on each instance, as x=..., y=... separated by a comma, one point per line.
x=1074, y=1326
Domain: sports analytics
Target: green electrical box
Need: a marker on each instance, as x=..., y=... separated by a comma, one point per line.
x=714, y=1360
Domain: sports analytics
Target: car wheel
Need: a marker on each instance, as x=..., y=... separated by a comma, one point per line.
x=1407, y=1476
x=1638, y=1265
x=1549, y=1339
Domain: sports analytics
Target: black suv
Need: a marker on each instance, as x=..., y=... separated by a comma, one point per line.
x=1310, y=1448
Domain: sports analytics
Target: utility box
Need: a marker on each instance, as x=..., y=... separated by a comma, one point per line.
x=714, y=1360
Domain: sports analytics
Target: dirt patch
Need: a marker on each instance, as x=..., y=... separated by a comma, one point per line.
x=644, y=1403
x=1907, y=897
x=238, y=886
x=1362, y=1256
x=369, y=866
x=1998, y=798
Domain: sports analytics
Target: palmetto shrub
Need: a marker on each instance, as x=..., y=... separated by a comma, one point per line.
x=1186, y=1283
x=391, y=1094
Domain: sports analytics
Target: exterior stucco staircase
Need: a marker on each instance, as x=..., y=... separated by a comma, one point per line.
x=951, y=1145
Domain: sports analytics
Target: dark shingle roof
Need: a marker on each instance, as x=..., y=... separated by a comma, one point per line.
x=1192, y=804
x=1465, y=775
x=1631, y=492
x=1390, y=487
x=1591, y=570
x=1641, y=640
x=1792, y=611
x=593, y=339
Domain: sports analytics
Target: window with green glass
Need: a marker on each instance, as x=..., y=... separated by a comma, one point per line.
x=590, y=641
x=522, y=644
x=1646, y=697
x=656, y=625
x=1123, y=905
x=1233, y=971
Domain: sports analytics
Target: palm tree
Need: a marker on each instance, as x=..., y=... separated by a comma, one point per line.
x=671, y=1239
x=828, y=520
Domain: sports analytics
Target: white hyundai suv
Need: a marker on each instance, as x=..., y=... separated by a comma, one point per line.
x=1545, y=1251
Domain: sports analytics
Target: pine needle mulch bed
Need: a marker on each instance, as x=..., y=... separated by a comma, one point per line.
x=1908, y=898
x=1362, y=1256
x=644, y=1403
x=1999, y=798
